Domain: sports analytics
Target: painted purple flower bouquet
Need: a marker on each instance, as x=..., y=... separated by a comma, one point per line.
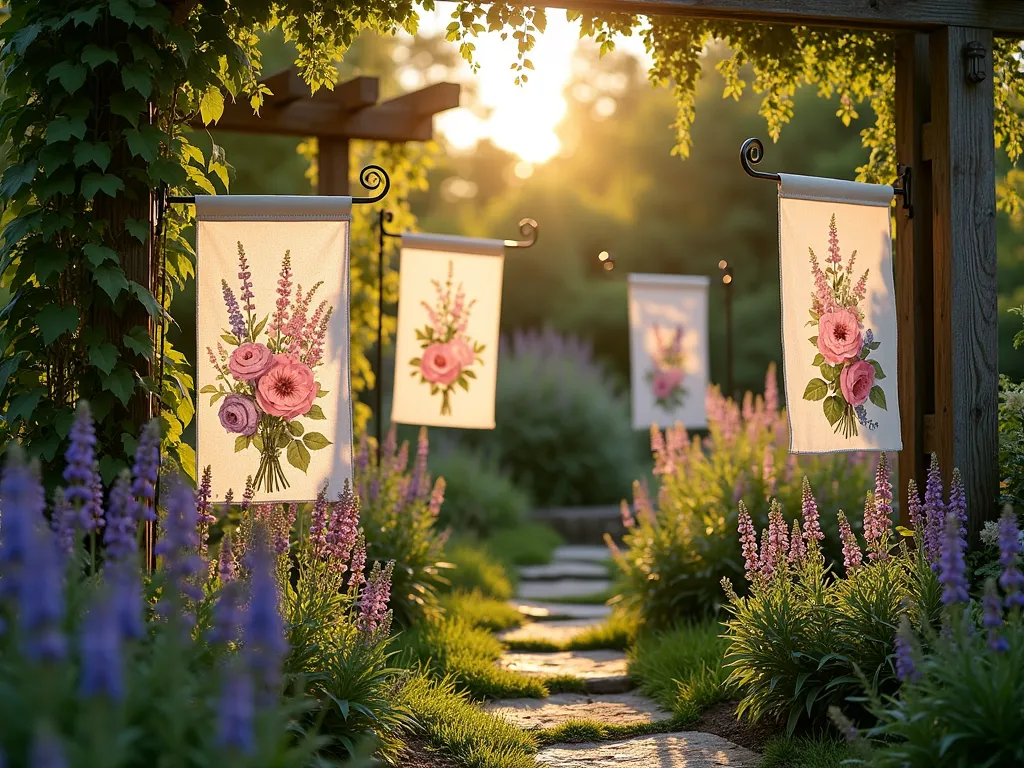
x=267, y=382
x=666, y=376
x=848, y=374
x=448, y=353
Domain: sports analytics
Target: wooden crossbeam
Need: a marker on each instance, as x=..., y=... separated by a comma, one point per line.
x=288, y=87
x=1004, y=17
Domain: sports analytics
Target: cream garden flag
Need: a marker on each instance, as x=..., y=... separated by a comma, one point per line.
x=446, y=348
x=838, y=315
x=273, y=341
x=668, y=345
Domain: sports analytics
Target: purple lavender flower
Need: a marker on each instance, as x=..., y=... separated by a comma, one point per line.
x=401, y=460
x=952, y=568
x=915, y=511
x=247, y=495
x=119, y=534
x=127, y=591
x=767, y=557
x=748, y=542
x=235, y=319
x=284, y=289
x=344, y=529
x=1011, y=579
x=373, y=605
x=809, y=513
x=662, y=461
x=778, y=534
x=204, y=515
x=437, y=497
x=358, y=565
x=65, y=523
x=419, y=487
x=958, y=501
x=876, y=529
x=771, y=392
x=934, y=513
x=245, y=276
x=47, y=750
x=236, y=713
x=390, y=444
x=265, y=644
x=100, y=649
x=227, y=614
x=852, y=556
x=179, y=546
x=41, y=597
x=797, y=547
x=627, y=515
x=22, y=502
x=993, y=617
x=362, y=463
x=227, y=568
x=94, y=510
x=906, y=670
x=78, y=473
x=319, y=524
x=883, y=498
x=147, y=470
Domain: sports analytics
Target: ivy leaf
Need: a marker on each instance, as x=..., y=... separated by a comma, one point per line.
x=94, y=56
x=211, y=106
x=15, y=177
x=138, y=341
x=137, y=77
x=833, y=408
x=110, y=277
x=62, y=422
x=816, y=390
x=70, y=75
x=7, y=367
x=120, y=382
x=128, y=105
x=187, y=459
x=877, y=396
x=146, y=298
x=22, y=39
x=316, y=413
x=49, y=261
x=110, y=468
x=123, y=10
x=107, y=183
x=144, y=143
x=89, y=152
x=315, y=441
x=22, y=406
x=296, y=428
x=97, y=254
x=64, y=129
x=297, y=455
x=185, y=411
x=54, y=320
x=103, y=355
x=137, y=228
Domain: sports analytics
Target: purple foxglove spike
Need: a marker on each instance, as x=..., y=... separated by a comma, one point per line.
x=146, y=471
x=809, y=512
x=437, y=497
x=40, y=597
x=263, y=631
x=797, y=547
x=905, y=667
x=80, y=458
x=934, y=512
x=748, y=542
x=852, y=556
x=952, y=568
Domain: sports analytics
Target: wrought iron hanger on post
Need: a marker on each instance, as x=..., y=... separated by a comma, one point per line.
x=527, y=230
x=752, y=153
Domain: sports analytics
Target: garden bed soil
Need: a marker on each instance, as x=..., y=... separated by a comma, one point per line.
x=419, y=754
x=721, y=721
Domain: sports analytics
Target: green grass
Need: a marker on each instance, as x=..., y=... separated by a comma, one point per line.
x=482, y=612
x=453, y=725
x=805, y=753
x=616, y=633
x=477, y=569
x=564, y=684
x=527, y=544
x=682, y=668
x=582, y=731
x=596, y=598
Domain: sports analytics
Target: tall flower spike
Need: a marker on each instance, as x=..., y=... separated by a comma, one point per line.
x=952, y=568
x=227, y=614
x=437, y=497
x=179, y=547
x=642, y=501
x=227, y=568
x=934, y=512
x=797, y=547
x=284, y=290
x=128, y=601
x=958, y=500
x=906, y=670
x=204, y=510
x=357, y=578
x=236, y=711
x=771, y=392
x=627, y=515
x=65, y=523
x=247, y=495
x=235, y=319
x=373, y=605
x=809, y=513
x=852, y=556
x=146, y=470
x=263, y=632
x=993, y=617
x=344, y=529
x=100, y=650
x=21, y=506
x=41, y=597
x=80, y=456
x=1011, y=579
x=915, y=511
x=768, y=470
x=883, y=494
x=661, y=459
x=778, y=534
x=390, y=444
x=319, y=524
x=876, y=527
x=119, y=534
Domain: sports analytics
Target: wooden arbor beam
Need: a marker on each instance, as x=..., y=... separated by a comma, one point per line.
x=1004, y=17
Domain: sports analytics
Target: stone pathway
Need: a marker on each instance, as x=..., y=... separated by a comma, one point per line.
x=581, y=572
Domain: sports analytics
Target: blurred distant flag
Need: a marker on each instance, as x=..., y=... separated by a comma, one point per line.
x=273, y=374
x=668, y=345
x=446, y=347
x=838, y=315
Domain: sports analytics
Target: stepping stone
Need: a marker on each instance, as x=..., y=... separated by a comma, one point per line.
x=538, y=609
x=564, y=569
x=586, y=553
x=621, y=709
x=559, y=631
x=688, y=749
x=563, y=588
x=602, y=671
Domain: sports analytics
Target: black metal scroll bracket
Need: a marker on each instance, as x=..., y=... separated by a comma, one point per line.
x=752, y=153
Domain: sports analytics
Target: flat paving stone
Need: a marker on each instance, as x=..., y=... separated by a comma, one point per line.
x=601, y=671
x=559, y=631
x=538, y=609
x=564, y=569
x=584, y=552
x=688, y=749
x=621, y=709
x=562, y=588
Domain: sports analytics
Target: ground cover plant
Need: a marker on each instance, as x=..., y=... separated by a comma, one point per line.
x=478, y=499
x=681, y=543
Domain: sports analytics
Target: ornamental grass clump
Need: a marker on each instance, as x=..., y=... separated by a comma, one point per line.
x=399, y=513
x=682, y=537
x=805, y=638
x=962, y=693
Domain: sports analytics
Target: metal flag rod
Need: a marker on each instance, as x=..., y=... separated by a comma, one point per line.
x=752, y=153
x=372, y=177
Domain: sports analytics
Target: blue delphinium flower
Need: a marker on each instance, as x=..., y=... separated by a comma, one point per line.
x=993, y=617
x=179, y=546
x=952, y=568
x=64, y=523
x=119, y=536
x=80, y=456
x=146, y=470
x=127, y=597
x=21, y=505
x=41, y=598
x=1011, y=580
x=236, y=712
x=906, y=670
x=47, y=750
x=934, y=513
x=100, y=649
x=262, y=626
x=227, y=614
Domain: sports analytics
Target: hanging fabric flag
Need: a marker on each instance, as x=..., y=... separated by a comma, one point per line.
x=272, y=331
x=446, y=346
x=838, y=315
x=668, y=349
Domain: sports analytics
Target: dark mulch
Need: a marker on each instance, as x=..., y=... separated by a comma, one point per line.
x=721, y=721
x=419, y=754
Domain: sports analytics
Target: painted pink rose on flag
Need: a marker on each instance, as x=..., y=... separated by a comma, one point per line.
x=844, y=348
x=448, y=352
x=268, y=381
x=666, y=374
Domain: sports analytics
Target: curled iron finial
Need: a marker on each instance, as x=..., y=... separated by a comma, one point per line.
x=528, y=229
x=373, y=177
x=386, y=217
x=752, y=153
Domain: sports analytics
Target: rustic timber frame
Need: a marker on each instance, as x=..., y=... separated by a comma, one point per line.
x=945, y=264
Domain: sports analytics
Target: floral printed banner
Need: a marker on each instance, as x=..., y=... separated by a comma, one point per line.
x=668, y=346
x=272, y=330
x=446, y=348
x=838, y=315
